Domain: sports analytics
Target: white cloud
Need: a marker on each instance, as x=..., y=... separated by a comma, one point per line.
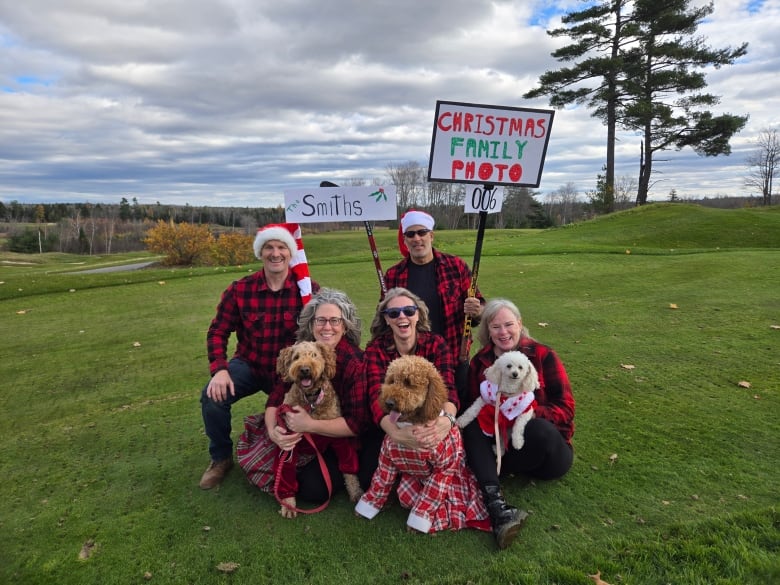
x=229, y=102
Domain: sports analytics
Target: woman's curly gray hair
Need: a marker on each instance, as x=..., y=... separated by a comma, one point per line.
x=330, y=296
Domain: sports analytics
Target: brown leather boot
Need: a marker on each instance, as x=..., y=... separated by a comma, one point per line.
x=215, y=473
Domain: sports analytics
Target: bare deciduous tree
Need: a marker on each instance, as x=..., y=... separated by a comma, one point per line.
x=408, y=181
x=763, y=164
x=561, y=203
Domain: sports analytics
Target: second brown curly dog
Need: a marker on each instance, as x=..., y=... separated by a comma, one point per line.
x=413, y=390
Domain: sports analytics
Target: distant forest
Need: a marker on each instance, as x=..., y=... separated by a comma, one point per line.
x=87, y=228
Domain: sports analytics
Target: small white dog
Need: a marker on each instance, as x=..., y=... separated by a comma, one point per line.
x=510, y=381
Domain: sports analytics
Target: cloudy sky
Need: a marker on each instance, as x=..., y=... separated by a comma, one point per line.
x=230, y=102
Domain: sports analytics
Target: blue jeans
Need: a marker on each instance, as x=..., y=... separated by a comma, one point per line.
x=216, y=415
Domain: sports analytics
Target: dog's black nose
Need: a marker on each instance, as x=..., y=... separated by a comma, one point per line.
x=305, y=371
x=390, y=403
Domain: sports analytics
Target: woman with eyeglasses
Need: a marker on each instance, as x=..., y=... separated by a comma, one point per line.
x=547, y=452
x=401, y=326
x=331, y=318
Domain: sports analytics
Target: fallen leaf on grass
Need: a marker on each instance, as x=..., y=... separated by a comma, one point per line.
x=613, y=457
x=87, y=550
x=161, y=282
x=774, y=326
x=542, y=324
x=627, y=366
x=227, y=567
x=744, y=384
x=597, y=579
x=673, y=306
x=22, y=311
x=136, y=344
x=148, y=576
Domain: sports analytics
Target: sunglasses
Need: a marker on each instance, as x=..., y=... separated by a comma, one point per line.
x=395, y=312
x=411, y=233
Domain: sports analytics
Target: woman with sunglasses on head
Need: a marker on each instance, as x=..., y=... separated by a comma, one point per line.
x=329, y=317
x=401, y=326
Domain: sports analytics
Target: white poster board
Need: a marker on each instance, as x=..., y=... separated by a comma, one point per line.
x=496, y=145
x=371, y=203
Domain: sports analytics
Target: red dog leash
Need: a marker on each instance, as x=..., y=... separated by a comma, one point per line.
x=285, y=408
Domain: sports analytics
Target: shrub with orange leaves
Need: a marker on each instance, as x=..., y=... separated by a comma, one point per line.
x=232, y=249
x=184, y=244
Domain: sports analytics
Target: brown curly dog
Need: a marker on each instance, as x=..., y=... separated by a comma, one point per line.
x=413, y=391
x=310, y=366
x=434, y=484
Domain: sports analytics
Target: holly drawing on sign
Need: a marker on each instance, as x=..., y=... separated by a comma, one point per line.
x=379, y=195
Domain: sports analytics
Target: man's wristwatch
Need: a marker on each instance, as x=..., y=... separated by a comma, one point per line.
x=452, y=419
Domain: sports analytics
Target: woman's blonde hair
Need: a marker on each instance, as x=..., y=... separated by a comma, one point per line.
x=492, y=308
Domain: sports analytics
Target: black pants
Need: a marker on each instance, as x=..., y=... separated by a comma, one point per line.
x=311, y=483
x=545, y=454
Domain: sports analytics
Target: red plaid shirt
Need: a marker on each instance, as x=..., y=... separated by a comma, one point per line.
x=263, y=320
x=453, y=279
x=436, y=485
x=554, y=399
x=349, y=383
x=381, y=351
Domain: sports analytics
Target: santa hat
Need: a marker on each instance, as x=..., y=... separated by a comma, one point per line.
x=408, y=219
x=290, y=235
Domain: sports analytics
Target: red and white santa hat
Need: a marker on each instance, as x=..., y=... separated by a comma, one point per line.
x=408, y=219
x=290, y=235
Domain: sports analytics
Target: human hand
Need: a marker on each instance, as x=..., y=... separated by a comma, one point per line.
x=220, y=385
x=430, y=434
x=298, y=420
x=284, y=439
x=402, y=435
x=472, y=307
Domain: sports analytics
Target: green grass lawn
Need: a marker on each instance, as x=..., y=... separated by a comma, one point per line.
x=672, y=350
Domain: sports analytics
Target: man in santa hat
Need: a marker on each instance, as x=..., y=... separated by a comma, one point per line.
x=262, y=310
x=441, y=280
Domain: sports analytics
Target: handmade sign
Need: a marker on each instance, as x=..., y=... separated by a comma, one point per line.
x=367, y=203
x=491, y=145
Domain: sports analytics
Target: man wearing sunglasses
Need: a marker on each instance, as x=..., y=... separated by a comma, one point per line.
x=441, y=280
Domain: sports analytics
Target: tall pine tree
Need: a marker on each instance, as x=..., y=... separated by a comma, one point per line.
x=646, y=66
x=665, y=85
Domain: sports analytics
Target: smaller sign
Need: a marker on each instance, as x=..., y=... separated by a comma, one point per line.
x=371, y=203
x=481, y=199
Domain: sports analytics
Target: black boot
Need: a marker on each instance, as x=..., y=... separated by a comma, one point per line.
x=507, y=520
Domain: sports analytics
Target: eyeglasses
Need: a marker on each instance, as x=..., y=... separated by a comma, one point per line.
x=334, y=321
x=411, y=233
x=395, y=312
